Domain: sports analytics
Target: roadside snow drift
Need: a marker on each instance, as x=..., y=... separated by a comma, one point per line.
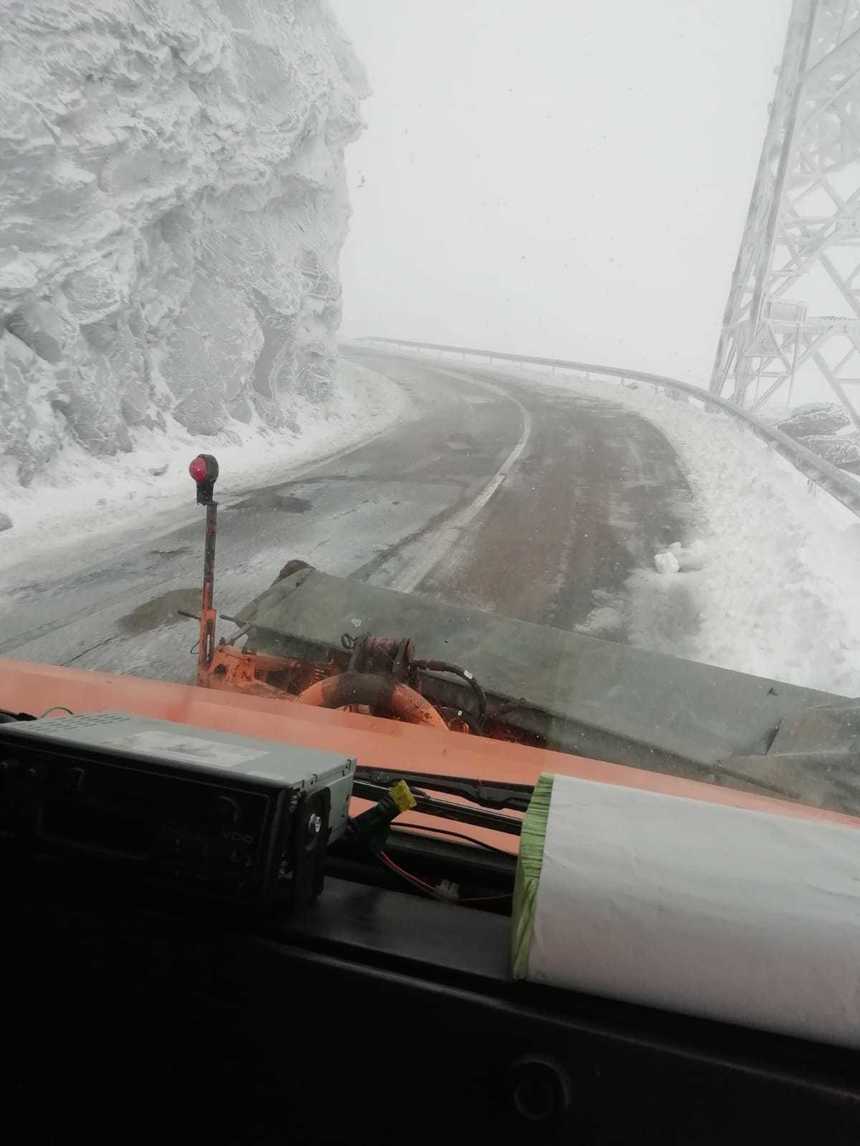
x=172, y=207
x=775, y=591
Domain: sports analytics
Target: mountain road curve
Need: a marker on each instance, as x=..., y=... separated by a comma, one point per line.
x=499, y=494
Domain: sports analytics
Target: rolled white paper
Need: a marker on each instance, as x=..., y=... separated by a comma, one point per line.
x=747, y=916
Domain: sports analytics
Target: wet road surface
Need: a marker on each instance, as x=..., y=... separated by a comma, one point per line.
x=526, y=499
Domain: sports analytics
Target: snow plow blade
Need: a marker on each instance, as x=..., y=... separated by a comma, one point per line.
x=576, y=693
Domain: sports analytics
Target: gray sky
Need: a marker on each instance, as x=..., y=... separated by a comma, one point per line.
x=559, y=177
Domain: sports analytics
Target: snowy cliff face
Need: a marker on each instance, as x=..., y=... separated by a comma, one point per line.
x=172, y=206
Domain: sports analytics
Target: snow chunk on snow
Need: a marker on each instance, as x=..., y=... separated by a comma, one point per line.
x=688, y=556
x=667, y=562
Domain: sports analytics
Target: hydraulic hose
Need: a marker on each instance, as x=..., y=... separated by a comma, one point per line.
x=378, y=692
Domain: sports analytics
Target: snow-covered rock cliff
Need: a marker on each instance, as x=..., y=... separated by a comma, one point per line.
x=172, y=206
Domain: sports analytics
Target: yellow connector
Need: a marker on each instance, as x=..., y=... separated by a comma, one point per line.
x=402, y=796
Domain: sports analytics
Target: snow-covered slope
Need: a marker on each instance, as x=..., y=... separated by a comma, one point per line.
x=172, y=206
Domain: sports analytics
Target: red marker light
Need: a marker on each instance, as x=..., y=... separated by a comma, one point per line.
x=198, y=469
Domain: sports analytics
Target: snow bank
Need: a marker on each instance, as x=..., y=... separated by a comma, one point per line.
x=778, y=594
x=80, y=497
x=171, y=213
x=778, y=591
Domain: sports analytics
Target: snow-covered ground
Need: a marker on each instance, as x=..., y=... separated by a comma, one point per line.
x=79, y=497
x=778, y=592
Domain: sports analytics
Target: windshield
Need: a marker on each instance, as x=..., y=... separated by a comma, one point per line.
x=527, y=351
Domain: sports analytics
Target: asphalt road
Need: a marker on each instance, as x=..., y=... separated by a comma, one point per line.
x=529, y=500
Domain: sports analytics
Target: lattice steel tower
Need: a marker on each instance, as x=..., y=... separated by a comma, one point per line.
x=791, y=329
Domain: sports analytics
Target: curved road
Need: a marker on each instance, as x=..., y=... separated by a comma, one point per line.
x=527, y=499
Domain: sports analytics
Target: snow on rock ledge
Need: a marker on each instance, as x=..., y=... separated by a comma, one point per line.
x=172, y=208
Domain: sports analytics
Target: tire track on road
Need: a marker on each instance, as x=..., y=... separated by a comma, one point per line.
x=438, y=539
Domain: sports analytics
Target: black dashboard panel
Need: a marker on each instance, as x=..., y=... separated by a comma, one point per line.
x=374, y=1016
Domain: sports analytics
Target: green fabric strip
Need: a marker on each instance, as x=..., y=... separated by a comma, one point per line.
x=529, y=865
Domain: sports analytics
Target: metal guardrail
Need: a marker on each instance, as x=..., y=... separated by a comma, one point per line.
x=828, y=477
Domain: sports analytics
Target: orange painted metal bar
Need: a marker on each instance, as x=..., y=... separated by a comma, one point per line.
x=374, y=741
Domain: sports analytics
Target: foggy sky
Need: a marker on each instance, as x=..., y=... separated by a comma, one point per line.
x=561, y=177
